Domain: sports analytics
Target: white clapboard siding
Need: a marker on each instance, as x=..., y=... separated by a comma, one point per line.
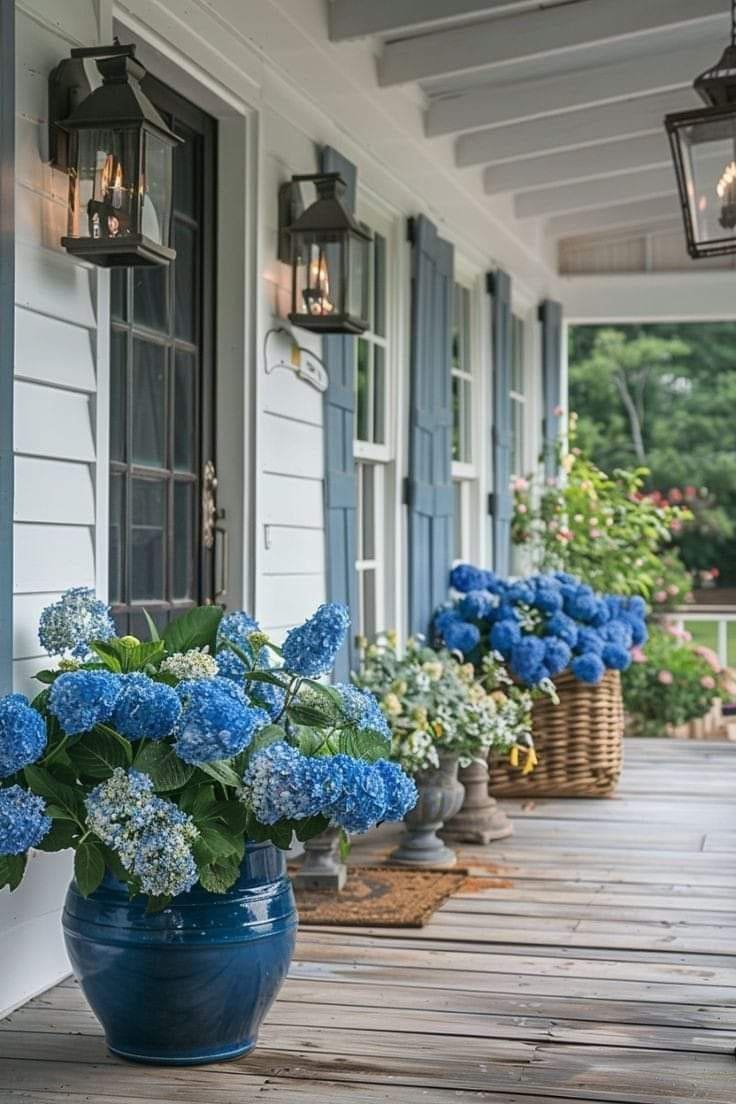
x=51, y=283
x=26, y=613
x=32, y=166
x=40, y=219
x=51, y=351
x=284, y=394
x=53, y=491
x=49, y=558
x=25, y=683
x=290, y=599
x=45, y=31
x=49, y=422
x=292, y=448
x=291, y=501
x=291, y=551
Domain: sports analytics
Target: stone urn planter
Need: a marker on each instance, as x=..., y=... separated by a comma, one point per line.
x=480, y=820
x=440, y=797
x=321, y=866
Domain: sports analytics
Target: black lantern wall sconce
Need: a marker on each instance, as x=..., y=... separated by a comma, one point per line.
x=704, y=152
x=118, y=152
x=329, y=253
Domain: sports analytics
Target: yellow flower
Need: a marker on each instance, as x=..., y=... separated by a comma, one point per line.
x=392, y=705
x=567, y=462
x=433, y=668
x=514, y=756
x=361, y=642
x=392, y=638
x=438, y=729
x=531, y=761
x=130, y=641
x=419, y=716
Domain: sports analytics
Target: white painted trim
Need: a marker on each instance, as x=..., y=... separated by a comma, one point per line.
x=649, y=297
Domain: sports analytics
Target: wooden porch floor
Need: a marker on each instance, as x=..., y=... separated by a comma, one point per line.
x=594, y=960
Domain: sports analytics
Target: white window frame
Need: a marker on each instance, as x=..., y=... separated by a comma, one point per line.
x=382, y=458
x=467, y=476
x=524, y=307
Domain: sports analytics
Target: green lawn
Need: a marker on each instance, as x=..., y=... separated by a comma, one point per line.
x=706, y=632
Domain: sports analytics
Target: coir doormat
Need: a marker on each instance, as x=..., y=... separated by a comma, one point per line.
x=380, y=897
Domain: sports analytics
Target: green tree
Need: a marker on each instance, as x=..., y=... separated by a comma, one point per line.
x=663, y=396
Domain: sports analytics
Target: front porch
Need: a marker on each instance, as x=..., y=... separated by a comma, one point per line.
x=592, y=958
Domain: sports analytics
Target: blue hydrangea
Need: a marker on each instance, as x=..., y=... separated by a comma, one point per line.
x=582, y=605
x=504, y=611
x=362, y=801
x=400, y=789
x=310, y=649
x=23, y=820
x=362, y=708
x=639, y=631
x=444, y=617
x=230, y=666
x=616, y=657
x=22, y=734
x=617, y=632
x=493, y=583
x=283, y=784
x=527, y=660
x=81, y=699
x=152, y=837
x=638, y=607
x=461, y=636
x=504, y=635
x=589, y=641
x=464, y=578
x=237, y=626
x=557, y=655
x=548, y=599
x=601, y=614
x=145, y=708
x=263, y=694
x=71, y=623
x=475, y=605
x=217, y=722
x=521, y=592
x=563, y=626
x=588, y=668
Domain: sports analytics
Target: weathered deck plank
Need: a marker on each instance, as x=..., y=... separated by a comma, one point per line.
x=592, y=959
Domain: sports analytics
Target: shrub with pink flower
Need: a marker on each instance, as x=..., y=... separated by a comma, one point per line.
x=671, y=681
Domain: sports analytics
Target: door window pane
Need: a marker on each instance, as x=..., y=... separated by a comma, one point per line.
x=149, y=405
x=185, y=367
x=118, y=294
x=362, y=398
x=181, y=581
x=185, y=282
x=379, y=285
x=184, y=172
x=118, y=395
x=368, y=582
x=117, y=534
x=150, y=297
x=148, y=509
x=379, y=394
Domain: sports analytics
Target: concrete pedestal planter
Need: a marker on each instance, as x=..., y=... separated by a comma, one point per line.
x=480, y=820
x=321, y=866
x=440, y=797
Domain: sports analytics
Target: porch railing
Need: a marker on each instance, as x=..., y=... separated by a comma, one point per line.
x=711, y=625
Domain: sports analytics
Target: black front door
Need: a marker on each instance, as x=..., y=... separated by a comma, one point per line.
x=162, y=397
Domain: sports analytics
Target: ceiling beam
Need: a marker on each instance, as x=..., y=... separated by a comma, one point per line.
x=360, y=18
x=531, y=34
x=602, y=191
x=571, y=129
x=640, y=213
x=578, y=164
x=496, y=104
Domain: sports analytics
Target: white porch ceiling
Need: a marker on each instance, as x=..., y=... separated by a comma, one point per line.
x=559, y=104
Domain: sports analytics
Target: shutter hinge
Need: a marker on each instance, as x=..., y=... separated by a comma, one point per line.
x=410, y=229
x=491, y=283
x=406, y=491
x=491, y=504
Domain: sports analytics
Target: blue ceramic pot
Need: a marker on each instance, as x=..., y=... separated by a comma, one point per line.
x=191, y=983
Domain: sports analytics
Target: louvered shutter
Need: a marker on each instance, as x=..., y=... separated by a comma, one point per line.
x=550, y=315
x=499, y=286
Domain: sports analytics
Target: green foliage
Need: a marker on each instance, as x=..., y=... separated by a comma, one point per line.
x=678, y=382
x=163, y=766
x=197, y=628
x=601, y=528
x=89, y=866
x=677, y=683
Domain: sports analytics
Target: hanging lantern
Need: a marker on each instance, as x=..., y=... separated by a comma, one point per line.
x=118, y=152
x=328, y=250
x=704, y=151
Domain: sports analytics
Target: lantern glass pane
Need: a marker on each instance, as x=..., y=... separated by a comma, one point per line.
x=317, y=271
x=156, y=188
x=358, y=277
x=104, y=196
x=708, y=152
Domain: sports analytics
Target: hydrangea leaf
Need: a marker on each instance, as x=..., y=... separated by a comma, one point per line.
x=256, y=831
x=280, y=834
x=97, y=754
x=46, y=677
x=108, y=655
x=196, y=800
x=265, y=676
x=61, y=836
x=152, y=627
x=197, y=628
x=233, y=814
x=308, y=741
x=362, y=744
x=270, y=734
x=307, y=715
x=221, y=772
x=12, y=869
x=311, y=826
x=68, y=800
x=89, y=867
x=163, y=766
x=214, y=844
x=157, y=904
x=219, y=876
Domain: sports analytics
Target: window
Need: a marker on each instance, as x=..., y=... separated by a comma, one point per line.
x=161, y=396
x=517, y=394
x=464, y=473
x=372, y=449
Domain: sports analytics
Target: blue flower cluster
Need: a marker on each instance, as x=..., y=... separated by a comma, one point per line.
x=77, y=618
x=362, y=708
x=217, y=721
x=81, y=699
x=237, y=628
x=152, y=837
x=541, y=625
x=145, y=708
x=283, y=784
x=22, y=734
x=23, y=820
x=310, y=649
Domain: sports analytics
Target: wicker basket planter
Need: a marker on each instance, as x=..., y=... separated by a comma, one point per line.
x=579, y=743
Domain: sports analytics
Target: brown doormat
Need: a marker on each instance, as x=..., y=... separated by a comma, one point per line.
x=380, y=897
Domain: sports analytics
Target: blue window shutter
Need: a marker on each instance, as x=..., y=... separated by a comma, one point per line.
x=7, y=285
x=499, y=285
x=430, y=497
x=550, y=315
x=340, y=483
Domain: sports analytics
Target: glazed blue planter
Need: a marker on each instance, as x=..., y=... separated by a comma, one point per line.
x=191, y=983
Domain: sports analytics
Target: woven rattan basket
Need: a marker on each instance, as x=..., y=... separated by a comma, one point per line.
x=579, y=743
